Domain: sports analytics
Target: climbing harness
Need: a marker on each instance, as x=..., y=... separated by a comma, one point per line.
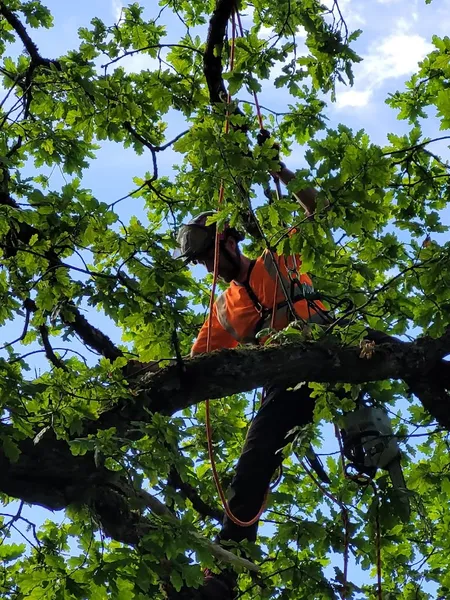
x=269, y=314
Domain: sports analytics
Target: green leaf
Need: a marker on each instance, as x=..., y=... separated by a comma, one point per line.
x=11, y=552
x=11, y=449
x=176, y=580
x=273, y=215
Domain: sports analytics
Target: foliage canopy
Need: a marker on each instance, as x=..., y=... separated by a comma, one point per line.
x=88, y=434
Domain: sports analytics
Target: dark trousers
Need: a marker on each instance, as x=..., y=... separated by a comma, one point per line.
x=281, y=411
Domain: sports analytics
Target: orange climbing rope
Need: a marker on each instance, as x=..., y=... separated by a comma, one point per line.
x=255, y=95
x=220, y=490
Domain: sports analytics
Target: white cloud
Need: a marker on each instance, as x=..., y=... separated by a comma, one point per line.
x=395, y=56
x=353, y=98
x=402, y=25
x=140, y=62
x=117, y=8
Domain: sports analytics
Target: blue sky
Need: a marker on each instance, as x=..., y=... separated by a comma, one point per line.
x=396, y=36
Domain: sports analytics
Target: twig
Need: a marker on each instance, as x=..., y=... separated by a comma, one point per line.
x=417, y=146
x=150, y=47
x=189, y=491
x=129, y=195
x=14, y=518
x=148, y=145
x=161, y=510
x=175, y=139
x=25, y=329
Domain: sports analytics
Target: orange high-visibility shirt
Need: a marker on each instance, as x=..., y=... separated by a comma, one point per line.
x=235, y=317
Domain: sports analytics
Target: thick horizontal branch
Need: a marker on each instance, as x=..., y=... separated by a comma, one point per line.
x=228, y=372
x=224, y=373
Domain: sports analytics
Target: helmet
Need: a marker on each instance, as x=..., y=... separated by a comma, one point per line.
x=196, y=238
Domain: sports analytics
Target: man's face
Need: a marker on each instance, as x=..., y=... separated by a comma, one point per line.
x=229, y=264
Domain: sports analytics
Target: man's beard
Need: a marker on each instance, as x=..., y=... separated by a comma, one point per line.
x=229, y=268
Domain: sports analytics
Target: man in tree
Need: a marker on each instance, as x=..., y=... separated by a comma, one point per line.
x=246, y=307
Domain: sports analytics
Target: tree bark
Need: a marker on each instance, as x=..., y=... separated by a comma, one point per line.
x=47, y=473
x=226, y=372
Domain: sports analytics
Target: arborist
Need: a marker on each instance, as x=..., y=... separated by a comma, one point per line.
x=238, y=315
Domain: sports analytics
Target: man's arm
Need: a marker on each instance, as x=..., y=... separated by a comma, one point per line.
x=219, y=337
x=306, y=197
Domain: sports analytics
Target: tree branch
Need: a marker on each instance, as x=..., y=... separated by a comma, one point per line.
x=212, y=58
x=227, y=372
x=90, y=335
x=49, y=353
x=160, y=509
x=148, y=145
x=150, y=47
x=189, y=492
x=36, y=59
x=212, y=69
x=417, y=146
x=93, y=337
x=168, y=144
